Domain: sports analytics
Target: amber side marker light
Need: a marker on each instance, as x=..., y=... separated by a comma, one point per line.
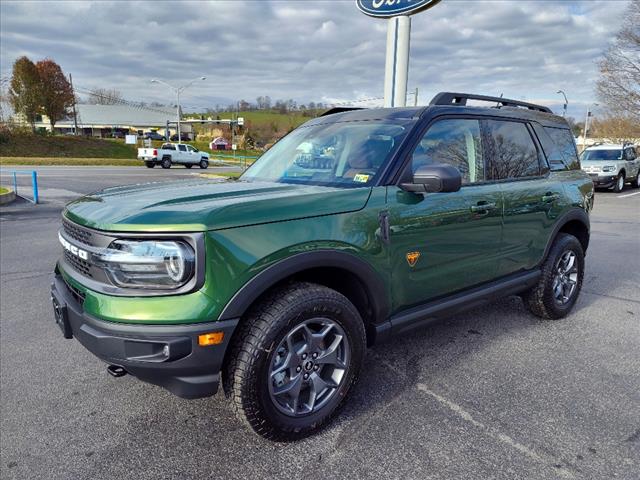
x=213, y=338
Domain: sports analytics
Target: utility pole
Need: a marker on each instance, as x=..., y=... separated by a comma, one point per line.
x=415, y=104
x=75, y=115
x=586, y=126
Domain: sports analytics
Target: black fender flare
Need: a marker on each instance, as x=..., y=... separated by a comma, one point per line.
x=575, y=213
x=249, y=293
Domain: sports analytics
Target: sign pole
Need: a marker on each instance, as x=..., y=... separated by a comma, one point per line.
x=397, y=62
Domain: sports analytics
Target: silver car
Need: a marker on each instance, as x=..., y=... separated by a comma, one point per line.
x=612, y=165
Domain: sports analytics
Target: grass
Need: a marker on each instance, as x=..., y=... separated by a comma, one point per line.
x=280, y=121
x=60, y=146
x=120, y=162
x=4, y=190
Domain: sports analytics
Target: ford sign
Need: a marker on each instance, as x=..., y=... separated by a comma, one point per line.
x=393, y=8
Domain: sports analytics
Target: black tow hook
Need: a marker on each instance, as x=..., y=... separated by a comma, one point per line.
x=116, y=371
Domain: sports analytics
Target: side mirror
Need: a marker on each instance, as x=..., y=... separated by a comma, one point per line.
x=434, y=178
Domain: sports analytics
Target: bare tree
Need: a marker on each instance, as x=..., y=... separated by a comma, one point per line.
x=105, y=96
x=619, y=84
x=616, y=129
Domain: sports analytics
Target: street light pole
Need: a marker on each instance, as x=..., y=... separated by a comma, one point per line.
x=566, y=102
x=586, y=126
x=178, y=91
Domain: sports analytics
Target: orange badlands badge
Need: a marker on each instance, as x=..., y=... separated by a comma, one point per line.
x=412, y=258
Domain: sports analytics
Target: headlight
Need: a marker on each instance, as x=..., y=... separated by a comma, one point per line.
x=148, y=264
x=609, y=168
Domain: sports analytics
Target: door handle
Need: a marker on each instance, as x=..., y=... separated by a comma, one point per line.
x=483, y=207
x=550, y=197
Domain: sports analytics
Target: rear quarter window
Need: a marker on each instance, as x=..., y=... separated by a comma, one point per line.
x=566, y=145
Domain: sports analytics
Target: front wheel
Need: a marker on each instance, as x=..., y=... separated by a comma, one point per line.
x=561, y=280
x=619, y=186
x=204, y=164
x=293, y=360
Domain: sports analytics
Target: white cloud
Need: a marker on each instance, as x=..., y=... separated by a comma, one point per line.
x=313, y=50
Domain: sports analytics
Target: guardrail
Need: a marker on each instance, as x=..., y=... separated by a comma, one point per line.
x=34, y=184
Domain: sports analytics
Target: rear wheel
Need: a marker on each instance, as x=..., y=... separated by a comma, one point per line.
x=293, y=360
x=150, y=164
x=636, y=182
x=204, y=163
x=619, y=186
x=561, y=281
x=166, y=162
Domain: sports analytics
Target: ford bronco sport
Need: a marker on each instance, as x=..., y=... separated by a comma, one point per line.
x=360, y=225
x=611, y=165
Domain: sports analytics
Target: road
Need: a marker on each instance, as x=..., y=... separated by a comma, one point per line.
x=492, y=393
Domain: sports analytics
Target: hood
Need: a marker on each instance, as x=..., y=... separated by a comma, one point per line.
x=199, y=205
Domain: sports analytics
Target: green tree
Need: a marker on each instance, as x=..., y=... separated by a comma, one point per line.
x=24, y=91
x=56, y=94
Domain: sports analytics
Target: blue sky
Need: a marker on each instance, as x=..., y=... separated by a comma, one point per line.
x=315, y=50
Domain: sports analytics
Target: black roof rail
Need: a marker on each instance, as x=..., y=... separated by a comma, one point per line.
x=450, y=98
x=333, y=110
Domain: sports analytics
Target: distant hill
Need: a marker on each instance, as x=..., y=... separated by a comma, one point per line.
x=262, y=126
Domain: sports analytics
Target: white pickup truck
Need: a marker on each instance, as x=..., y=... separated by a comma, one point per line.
x=173, y=153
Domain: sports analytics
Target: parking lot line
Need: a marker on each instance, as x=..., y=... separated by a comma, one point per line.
x=628, y=195
x=496, y=434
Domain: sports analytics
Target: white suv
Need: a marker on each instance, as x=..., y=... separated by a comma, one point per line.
x=611, y=165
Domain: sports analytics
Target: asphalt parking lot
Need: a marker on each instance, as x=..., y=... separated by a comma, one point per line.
x=493, y=393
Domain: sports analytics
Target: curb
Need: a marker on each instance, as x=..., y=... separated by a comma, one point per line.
x=6, y=198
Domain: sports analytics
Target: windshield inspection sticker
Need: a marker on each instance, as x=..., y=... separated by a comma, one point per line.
x=361, y=178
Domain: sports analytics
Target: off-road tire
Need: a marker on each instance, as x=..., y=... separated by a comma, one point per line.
x=619, y=185
x=540, y=299
x=204, y=164
x=166, y=162
x=246, y=371
x=150, y=164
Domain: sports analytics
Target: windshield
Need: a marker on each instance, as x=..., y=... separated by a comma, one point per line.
x=346, y=154
x=602, y=154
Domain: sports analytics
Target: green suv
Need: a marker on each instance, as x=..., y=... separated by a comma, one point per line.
x=360, y=225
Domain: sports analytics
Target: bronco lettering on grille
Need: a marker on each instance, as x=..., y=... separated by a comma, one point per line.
x=78, y=252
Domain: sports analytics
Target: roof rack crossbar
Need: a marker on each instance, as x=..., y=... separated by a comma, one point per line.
x=451, y=98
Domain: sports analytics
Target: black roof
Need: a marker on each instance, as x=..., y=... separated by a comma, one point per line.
x=444, y=103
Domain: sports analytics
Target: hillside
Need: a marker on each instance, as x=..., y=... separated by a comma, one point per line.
x=264, y=126
x=20, y=144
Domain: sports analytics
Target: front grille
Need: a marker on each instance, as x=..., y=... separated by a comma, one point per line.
x=78, y=233
x=75, y=293
x=78, y=264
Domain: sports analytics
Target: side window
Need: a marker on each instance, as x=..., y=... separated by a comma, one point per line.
x=182, y=148
x=630, y=154
x=454, y=142
x=190, y=148
x=563, y=138
x=511, y=150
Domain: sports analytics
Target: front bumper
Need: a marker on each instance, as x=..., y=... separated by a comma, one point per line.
x=603, y=180
x=164, y=355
